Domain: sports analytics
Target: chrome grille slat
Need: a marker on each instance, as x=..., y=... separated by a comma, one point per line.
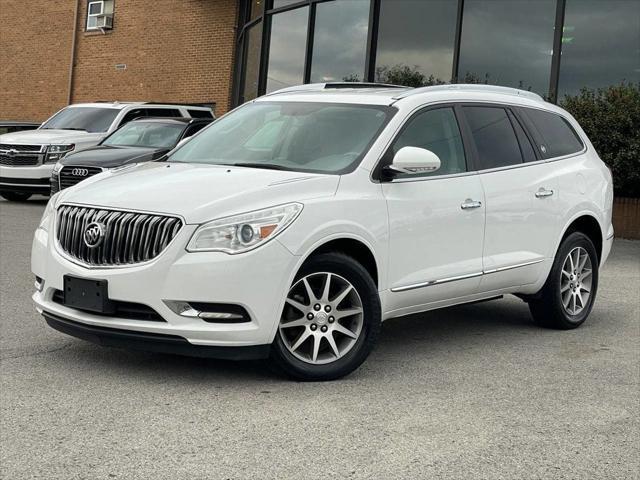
x=129, y=237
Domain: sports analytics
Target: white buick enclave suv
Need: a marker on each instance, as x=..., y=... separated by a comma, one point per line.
x=292, y=226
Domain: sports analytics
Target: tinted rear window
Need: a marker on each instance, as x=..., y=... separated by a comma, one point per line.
x=556, y=135
x=494, y=137
x=200, y=114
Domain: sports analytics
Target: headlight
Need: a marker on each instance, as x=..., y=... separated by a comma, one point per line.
x=244, y=232
x=48, y=213
x=56, y=152
x=57, y=167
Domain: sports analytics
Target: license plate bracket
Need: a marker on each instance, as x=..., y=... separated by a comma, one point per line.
x=87, y=294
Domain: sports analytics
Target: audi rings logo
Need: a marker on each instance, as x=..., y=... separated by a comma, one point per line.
x=80, y=172
x=94, y=234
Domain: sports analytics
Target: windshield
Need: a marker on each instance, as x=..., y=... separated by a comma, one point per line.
x=88, y=119
x=309, y=137
x=145, y=134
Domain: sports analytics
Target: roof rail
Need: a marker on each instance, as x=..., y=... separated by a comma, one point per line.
x=472, y=87
x=315, y=87
x=202, y=105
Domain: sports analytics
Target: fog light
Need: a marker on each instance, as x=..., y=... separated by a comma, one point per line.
x=39, y=284
x=210, y=312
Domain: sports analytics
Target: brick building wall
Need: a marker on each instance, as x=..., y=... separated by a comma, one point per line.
x=35, y=51
x=174, y=51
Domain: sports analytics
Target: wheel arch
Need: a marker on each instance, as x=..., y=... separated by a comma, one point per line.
x=353, y=247
x=589, y=225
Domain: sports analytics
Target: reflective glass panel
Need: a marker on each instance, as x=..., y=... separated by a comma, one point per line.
x=340, y=41
x=600, y=44
x=415, y=41
x=507, y=43
x=251, y=63
x=283, y=3
x=287, y=48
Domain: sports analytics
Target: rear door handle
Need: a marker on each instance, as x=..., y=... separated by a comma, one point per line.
x=543, y=192
x=468, y=204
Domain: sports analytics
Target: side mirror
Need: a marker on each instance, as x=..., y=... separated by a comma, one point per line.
x=414, y=160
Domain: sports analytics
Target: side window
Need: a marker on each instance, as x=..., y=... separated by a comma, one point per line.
x=494, y=137
x=132, y=115
x=436, y=130
x=200, y=113
x=557, y=136
x=163, y=112
x=528, y=152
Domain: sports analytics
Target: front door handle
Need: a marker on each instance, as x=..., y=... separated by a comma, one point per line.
x=468, y=204
x=543, y=192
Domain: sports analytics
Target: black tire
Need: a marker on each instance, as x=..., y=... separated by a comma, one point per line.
x=346, y=267
x=15, y=196
x=547, y=308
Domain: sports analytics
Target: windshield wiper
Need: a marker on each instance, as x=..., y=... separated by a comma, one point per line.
x=266, y=166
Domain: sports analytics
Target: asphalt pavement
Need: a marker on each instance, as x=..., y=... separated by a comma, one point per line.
x=470, y=392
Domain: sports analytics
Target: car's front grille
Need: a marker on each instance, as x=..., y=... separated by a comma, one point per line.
x=20, y=155
x=116, y=237
x=19, y=160
x=126, y=310
x=21, y=148
x=69, y=175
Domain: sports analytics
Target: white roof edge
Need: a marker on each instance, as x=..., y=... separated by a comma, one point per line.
x=472, y=87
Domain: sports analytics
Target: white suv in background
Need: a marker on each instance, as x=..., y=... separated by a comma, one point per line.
x=27, y=158
x=294, y=225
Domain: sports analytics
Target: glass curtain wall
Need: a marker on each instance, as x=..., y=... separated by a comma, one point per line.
x=551, y=47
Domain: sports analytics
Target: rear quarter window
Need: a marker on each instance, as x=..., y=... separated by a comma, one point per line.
x=200, y=114
x=556, y=136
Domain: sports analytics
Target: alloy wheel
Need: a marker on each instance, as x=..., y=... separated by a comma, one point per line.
x=575, y=282
x=322, y=319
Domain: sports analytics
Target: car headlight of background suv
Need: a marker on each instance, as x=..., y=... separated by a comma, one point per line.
x=56, y=152
x=244, y=232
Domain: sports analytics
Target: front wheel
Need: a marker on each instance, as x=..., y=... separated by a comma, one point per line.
x=15, y=196
x=331, y=319
x=568, y=295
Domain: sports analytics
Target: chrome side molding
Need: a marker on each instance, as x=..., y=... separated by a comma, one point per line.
x=440, y=281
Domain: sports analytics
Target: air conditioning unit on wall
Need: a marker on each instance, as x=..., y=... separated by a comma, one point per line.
x=104, y=21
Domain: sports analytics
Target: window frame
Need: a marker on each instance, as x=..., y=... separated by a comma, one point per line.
x=379, y=175
x=103, y=11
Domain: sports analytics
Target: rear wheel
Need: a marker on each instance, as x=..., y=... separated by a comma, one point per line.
x=331, y=319
x=567, y=297
x=15, y=196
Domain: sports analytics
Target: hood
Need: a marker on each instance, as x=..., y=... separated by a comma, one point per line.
x=46, y=137
x=199, y=193
x=110, y=157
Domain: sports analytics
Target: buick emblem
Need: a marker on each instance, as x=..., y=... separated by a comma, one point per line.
x=94, y=234
x=79, y=172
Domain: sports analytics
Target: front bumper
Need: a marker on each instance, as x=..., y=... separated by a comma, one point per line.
x=26, y=179
x=257, y=280
x=152, y=342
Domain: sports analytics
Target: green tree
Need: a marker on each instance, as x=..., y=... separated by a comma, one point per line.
x=611, y=119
